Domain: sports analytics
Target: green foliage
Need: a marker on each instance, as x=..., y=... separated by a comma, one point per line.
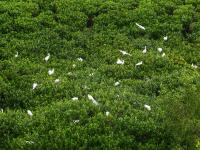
x=95, y=30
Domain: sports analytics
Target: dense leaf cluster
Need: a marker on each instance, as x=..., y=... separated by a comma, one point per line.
x=95, y=30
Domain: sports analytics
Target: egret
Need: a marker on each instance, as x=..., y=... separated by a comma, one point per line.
x=80, y=59
x=160, y=49
x=194, y=66
x=120, y=62
x=91, y=74
x=140, y=63
x=16, y=55
x=29, y=142
x=1, y=110
x=47, y=57
x=29, y=113
x=57, y=80
x=76, y=121
x=92, y=99
x=116, y=83
x=145, y=50
x=147, y=107
x=107, y=113
x=141, y=27
x=74, y=65
x=124, y=53
x=51, y=71
x=165, y=38
x=34, y=85
x=75, y=98
x=163, y=54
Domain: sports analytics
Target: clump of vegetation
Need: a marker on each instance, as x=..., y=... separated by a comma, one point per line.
x=117, y=74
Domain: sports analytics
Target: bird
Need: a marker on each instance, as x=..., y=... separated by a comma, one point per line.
x=145, y=50
x=165, y=38
x=76, y=121
x=47, y=57
x=57, y=80
x=91, y=74
x=51, y=71
x=141, y=27
x=194, y=66
x=160, y=49
x=1, y=110
x=147, y=107
x=92, y=99
x=163, y=54
x=29, y=113
x=139, y=63
x=124, y=53
x=120, y=62
x=74, y=65
x=80, y=59
x=29, y=142
x=116, y=83
x=75, y=98
x=34, y=85
x=107, y=113
x=16, y=55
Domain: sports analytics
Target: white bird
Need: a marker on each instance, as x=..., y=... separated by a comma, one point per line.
x=16, y=55
x=75, y=98
x=29, y=113
x=160, y=49
x=165, y=38
x=141, y=27
x=57, y=80
x=147, y=107
x=91, y=74
x=124, y=53
x=116, y=83
x=107, y=113
x=47, y=57
x=1, y=110
x=51, y=71
x=34, y=85
x=74, y=65
x=80, y=59
x=76, y=121
x=163, y=54
x=92, y=99
x=120, y=62
x=140, y=63
x=29, y=142
x=145, y=50
x=194, y=66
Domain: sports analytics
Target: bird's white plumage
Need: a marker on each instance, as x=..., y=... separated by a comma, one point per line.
x=34, y=85
x=75, y=98
x=194, y=66
x=17, y=54
x=51, y=71
x=165, y=38
x=160, y=49
x=124, y=53
x=120, y=62
x=80, y=59
x=139, y=63
x=47, y=57
x=145, y=50
x=140, y=26
x=29, y=113
x=147, y=107
x=163, y=54
x=57, y=80
x=116, y=83
x=107, y=113
x=92, y=99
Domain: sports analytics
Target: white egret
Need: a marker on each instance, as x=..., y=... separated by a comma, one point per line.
x=57, y=80
x=139, y=63
x=141, y=27
x=165, y=38
x=80, y=59
x=107, y=113
x=47, y=57
x=92, y=99
x=75, y=98
x=51, y=71
x=120, y=62
x=194, y=66
x=147, y=107
x=29, y=113
x=145, y=50
x=116, y=83
x=16, y=55
x=163, y=54
x=124, y=53
x=160, y=49
x=34, y=85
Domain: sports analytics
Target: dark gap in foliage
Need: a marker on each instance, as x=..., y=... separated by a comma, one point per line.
x=90, y=21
